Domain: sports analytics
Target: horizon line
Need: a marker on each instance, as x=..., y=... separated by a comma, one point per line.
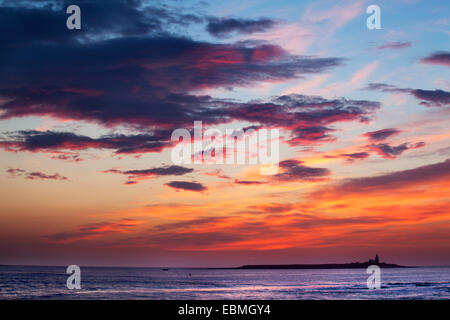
x=185, y=267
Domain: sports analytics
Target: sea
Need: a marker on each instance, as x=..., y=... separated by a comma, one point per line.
x=47, y=283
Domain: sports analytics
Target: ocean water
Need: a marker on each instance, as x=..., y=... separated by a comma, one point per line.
x=25, y=282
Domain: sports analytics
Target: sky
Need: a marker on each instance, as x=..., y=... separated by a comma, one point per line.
x=86, y=121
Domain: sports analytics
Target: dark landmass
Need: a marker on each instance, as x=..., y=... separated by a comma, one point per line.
x=352, y=265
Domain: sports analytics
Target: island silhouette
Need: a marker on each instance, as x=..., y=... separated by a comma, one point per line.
x=351, y=265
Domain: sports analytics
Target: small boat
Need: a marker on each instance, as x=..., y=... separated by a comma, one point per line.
x=165, y=269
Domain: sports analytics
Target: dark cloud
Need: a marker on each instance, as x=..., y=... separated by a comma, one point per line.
x=66, y=156
x=395, y=45
x=391, y=152
x=311, y=135
x=43, y=176
x=46, y=23
x=385, y=87
x=185, y=185
x=382, y=134
x=101, y=82
x=306, y=117
x=135, y=175
x=440, y=58
x=390, y=181
x=130, y=72
x=351, y=157
x=129, y=68
x=161, y=171
x=293, y=170
x=35, y=175
x=13, y=172
x=430, y=98
x=148, y=83
x=248, y=182
x=52, y=142
x=223, y=27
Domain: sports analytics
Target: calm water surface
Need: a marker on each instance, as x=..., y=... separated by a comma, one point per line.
x=19, y=282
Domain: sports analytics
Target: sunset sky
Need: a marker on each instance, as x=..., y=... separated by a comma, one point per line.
x=86, y=118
